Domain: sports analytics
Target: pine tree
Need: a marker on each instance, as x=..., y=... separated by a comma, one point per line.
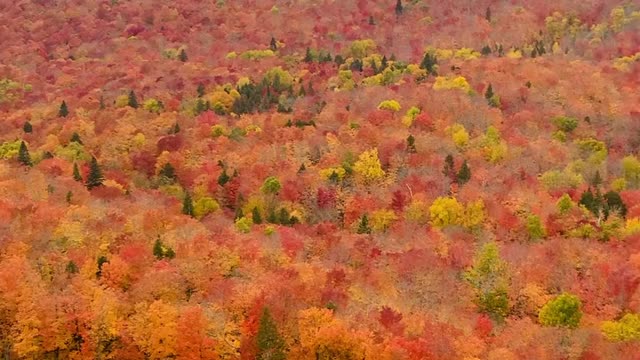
x=371, y=21
x=187, y=205
x=464, y=174
x=411, y=144
x=489, y=93
x=223, y=178
x=339, y=60
x=69, y=196
x=71, y=267
x=133, y=100
x=76, y=138
x=158, y=252
x=168, y=174
x=23, y=155
x=302, y=168
x=270, y=344
x=308, y=57
x=183, y=56
x=384, y=63
x=273, y=45
x=95, y=177
x=76, y=173
x=428, y=63
x=449, y=165
x=255, y=216
x=363, y=226
x=284, y=217
x=487, y=14
x=27, y=128
x=399, y=7
x=64, y=111
x=102, y=105
x=101, y=261
x=200, y=90
x=486, y=50
x=597, y=179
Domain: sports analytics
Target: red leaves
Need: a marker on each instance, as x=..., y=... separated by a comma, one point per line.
x=484, y=326
x=326, y=197
x=170, y=143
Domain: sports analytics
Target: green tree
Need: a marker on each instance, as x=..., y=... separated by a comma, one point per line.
x=564, y=204
x=270, y=344
x=183, y=56
x=534, y=228
x=95, y=177
x=158, y=252
x=411, y=144
x=133, y=100
x=363, y=225
x=486, y=50
x=71, y=267
x=101, y=261
x=464, y=174
x=488, y=276
x=271, y=185
x=428, y=63
x=308, y=57
x=487, y=14
x=563, y=311
x=76, y=138
x=200, y=90
x=488, y=94
x=76, y=173
x=449, y=167
x=273, y=45
x=187, y=205
x=167, y=174
x=255, y=216
x=614, y=203
x=63, y=111
x=399, y=7
x=27, y=128
x=223, y=178
x=23, y=155
x=69, y=196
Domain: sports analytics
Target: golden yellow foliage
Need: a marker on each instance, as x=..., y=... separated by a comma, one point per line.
x=448, y=83
x=446, y=211
x=382, y=219
x=368, y=166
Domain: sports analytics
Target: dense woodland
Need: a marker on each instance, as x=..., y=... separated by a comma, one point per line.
x=362, y=179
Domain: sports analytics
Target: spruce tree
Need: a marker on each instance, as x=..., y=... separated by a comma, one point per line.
x=489, y=93
x=464, y=174
x=23, y=155
x=371, y=21
x=76, y=173
x=302, y=168
x=167, y=174
x=27, y=128
x=411, y=144
x=102, y=105
x=95, y=178
x=487, y=14
x=69, y=196
x=363, y=226
x=76, y=138
x=273, y=45
x=187, y=205
x=183, y=56
x=486, y=50
x=158, y=252
x=71, y=267
x=384, y=63
x=200, y=90
x=308, y=57
x=270, y=344
x=399, y=7
x=597, y=179
x=448, y=169
x=64, y=111
x=133, y=100
x=223, y=178
x=255, y=216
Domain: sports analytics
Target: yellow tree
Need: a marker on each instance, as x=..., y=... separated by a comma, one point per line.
x=368, y=166
x=154, y=329
x=446, y=211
